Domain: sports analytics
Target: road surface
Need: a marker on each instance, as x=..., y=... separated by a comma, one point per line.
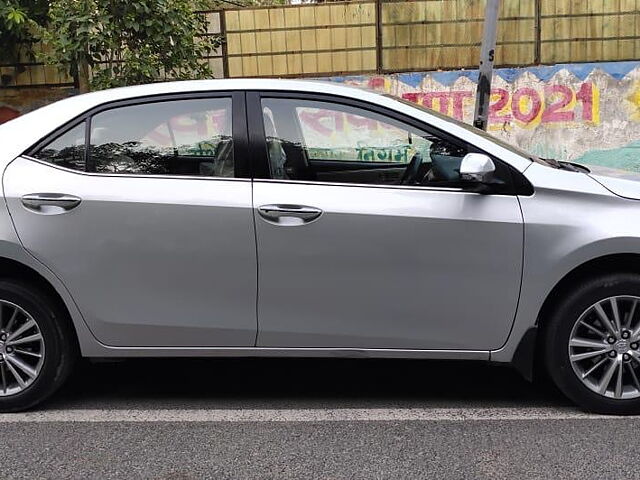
x=335, y=419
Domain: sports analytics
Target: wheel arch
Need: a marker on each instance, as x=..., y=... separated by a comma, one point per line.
x=530, y=346
x=16, y=270
x=619, y=263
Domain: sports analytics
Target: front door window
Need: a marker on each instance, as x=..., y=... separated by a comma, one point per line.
x=323, y=141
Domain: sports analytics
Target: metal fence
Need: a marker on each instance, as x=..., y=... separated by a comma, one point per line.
x=358, y=37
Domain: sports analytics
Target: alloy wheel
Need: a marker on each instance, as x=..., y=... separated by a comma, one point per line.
x=22, y=349
x=604, y=347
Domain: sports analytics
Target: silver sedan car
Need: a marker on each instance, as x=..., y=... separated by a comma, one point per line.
x=291, y=218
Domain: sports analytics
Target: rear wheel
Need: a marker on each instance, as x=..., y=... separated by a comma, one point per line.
x=592, y=344
x=36, y=348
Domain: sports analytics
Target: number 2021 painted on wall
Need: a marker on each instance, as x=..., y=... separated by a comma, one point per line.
x=525, y=107
x=559, y=104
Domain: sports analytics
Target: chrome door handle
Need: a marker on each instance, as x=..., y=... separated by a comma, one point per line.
x=35, y=201
x=278, y=214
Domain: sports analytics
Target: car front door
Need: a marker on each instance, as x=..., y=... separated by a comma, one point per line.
x=352, y=254
x=150, y=228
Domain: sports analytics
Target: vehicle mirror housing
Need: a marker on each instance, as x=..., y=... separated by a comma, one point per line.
x=477, y=168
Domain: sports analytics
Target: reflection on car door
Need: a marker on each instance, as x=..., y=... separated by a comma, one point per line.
x=166, y=259
x=377, y=266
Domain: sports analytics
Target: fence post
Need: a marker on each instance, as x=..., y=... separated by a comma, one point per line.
x=379, y=66
x=537, y=55
x=225, y=55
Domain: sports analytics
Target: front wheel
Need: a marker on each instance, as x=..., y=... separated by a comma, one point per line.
x=36, y=350
x=592, y=344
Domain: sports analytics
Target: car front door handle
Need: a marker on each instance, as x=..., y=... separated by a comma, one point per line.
x=289, y=215
x=61, y=202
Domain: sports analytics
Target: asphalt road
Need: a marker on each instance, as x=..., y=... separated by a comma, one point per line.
x=351, y=419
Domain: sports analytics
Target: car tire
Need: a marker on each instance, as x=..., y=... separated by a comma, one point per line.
x=567, y=327
x=58, y=346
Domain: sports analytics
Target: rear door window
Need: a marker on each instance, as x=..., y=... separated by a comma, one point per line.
x=67, y=150
x=178, y=137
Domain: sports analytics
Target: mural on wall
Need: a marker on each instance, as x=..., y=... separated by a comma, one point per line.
x=587, y=112
x=583, y=112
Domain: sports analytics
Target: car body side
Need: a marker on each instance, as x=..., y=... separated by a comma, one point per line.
x=570, y=221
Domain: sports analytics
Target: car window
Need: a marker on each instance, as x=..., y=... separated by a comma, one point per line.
x=332, y=134
x=469, y=128
x=67, y=150
x=324, y=141
x=178, y=137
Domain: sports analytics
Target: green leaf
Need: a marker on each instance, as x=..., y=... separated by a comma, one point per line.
x=128, y=42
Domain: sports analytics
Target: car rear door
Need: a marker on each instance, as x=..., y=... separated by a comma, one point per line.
x=151, y=227
x=348, y=264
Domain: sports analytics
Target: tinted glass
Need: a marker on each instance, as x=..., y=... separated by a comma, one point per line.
x=313, y=140
x=469, y=128
x=337, y=134
x=67, y=150
x=181, y=137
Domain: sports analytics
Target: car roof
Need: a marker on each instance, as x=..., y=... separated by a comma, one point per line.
x=228, y=84
x=19, y=134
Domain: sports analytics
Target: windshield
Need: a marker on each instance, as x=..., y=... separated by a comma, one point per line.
x=475, y=130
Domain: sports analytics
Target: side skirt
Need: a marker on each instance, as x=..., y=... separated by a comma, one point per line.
x=110, y=352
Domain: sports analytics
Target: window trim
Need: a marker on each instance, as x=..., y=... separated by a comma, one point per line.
x=518, y=184
x=133, y=175
x=242, y=161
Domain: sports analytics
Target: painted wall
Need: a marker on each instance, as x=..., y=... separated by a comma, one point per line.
x=587, y=112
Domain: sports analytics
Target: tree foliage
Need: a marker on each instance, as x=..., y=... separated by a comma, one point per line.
x=19, y=20
x=125, y=42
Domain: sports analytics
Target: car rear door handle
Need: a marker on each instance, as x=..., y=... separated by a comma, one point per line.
x=289, y=214
x=36, y=201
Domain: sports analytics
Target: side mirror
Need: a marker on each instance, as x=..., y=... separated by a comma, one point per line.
x=477, y=168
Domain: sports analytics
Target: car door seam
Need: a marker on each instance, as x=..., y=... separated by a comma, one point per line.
x=522, y=257
x=255, y=238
